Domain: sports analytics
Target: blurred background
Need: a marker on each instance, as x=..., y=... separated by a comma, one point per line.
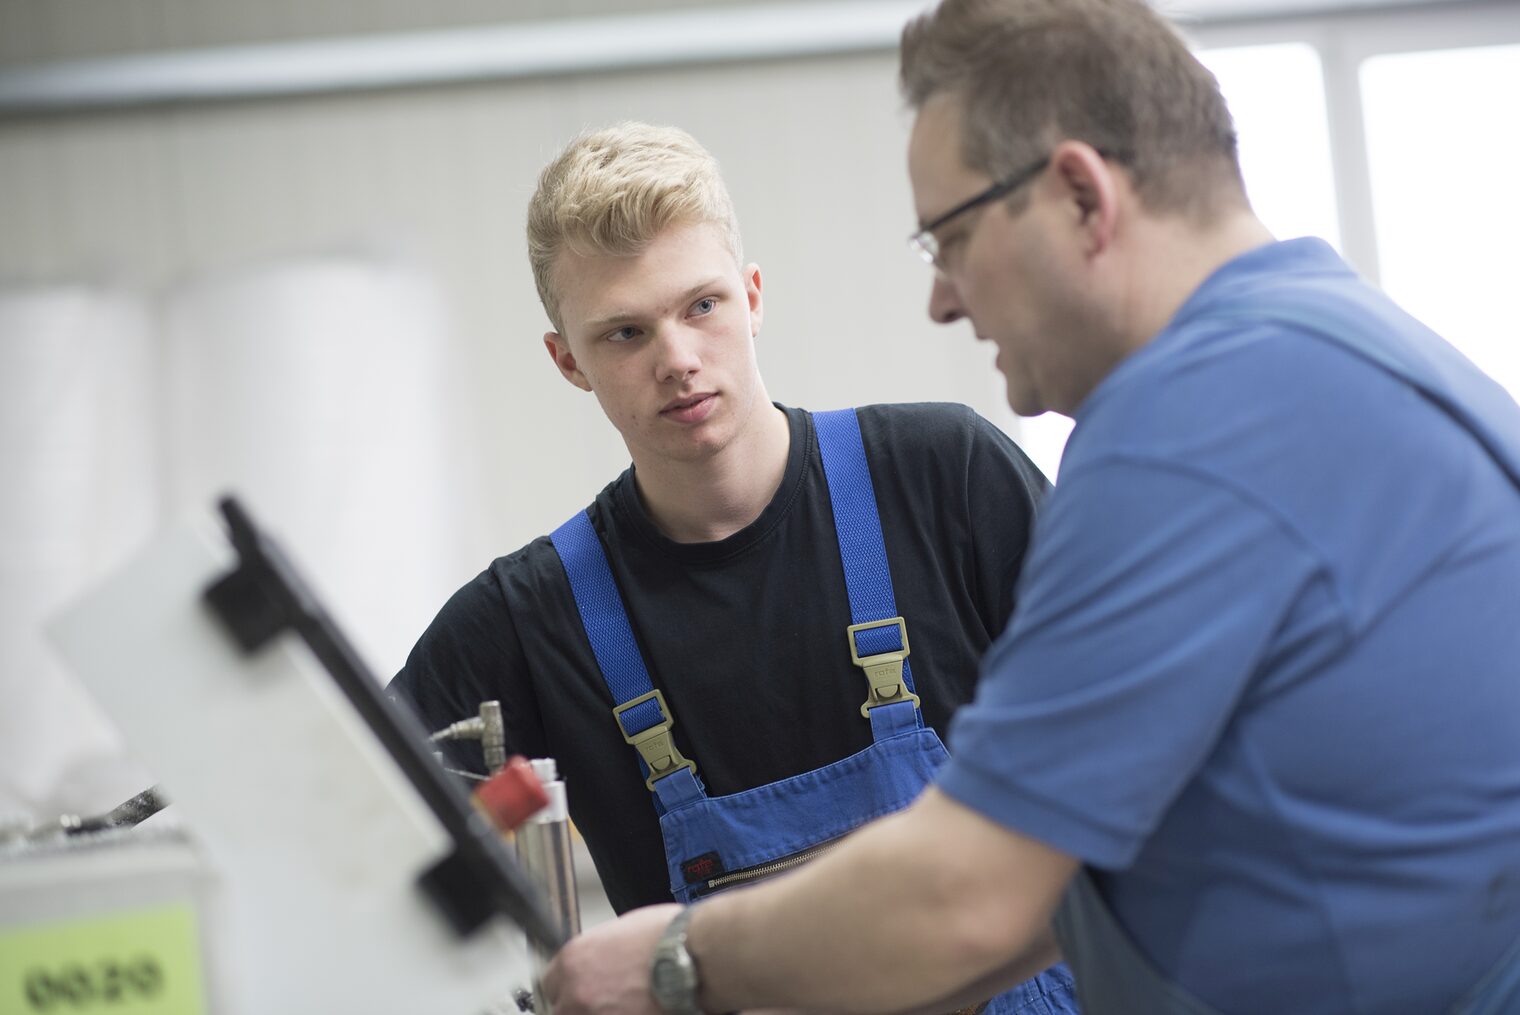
x=276, y=248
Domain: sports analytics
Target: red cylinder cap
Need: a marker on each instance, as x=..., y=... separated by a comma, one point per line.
x=512, y=795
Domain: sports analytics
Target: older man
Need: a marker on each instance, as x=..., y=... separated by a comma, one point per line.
x=1262, y=753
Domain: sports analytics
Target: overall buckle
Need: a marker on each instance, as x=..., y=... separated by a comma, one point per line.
x=654, y=744
x=884, y=671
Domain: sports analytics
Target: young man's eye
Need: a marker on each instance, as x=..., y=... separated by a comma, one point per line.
x=705, y=305
x=626, y=333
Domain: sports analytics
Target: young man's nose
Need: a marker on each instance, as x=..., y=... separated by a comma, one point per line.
x=679, y=352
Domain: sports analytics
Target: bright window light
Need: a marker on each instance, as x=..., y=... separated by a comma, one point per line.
x=1444, y=144
x=1277, y=96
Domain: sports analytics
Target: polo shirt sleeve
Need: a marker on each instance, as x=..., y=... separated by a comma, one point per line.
x=1148, y=599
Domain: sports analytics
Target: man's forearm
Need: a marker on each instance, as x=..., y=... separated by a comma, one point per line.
x=893, y=919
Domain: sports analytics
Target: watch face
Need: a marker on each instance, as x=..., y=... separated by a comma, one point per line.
x=673, y=981
x=672, y=973
x=667, y=976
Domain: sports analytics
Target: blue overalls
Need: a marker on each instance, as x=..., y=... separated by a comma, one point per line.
x=1114, y=976
x=712, y=843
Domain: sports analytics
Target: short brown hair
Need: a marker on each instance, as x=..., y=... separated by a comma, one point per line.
x=1111, y=73
x=613, y=190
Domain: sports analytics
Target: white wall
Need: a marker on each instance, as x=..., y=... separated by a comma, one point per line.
x=813, y=151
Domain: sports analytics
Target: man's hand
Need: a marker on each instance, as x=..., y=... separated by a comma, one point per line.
x=606, y=969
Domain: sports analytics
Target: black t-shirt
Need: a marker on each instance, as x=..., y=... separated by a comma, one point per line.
x=745, y=636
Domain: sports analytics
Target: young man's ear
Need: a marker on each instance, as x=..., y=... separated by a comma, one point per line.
x=564, y=359
x=752, y=291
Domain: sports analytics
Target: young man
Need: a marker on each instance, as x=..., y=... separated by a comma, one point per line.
x=708, y=607
x=1252, y=738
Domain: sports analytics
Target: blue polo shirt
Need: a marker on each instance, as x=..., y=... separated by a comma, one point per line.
x=1264, y=675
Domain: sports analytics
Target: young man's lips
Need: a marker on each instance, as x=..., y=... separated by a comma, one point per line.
x=689, y=410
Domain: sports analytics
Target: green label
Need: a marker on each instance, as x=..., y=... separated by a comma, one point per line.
x=140, y=962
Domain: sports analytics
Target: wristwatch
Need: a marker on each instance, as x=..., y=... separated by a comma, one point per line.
x=673, y=976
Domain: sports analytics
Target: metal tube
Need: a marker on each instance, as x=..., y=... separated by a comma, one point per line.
x=493, y=736
x=544, y=849
x=488, y=728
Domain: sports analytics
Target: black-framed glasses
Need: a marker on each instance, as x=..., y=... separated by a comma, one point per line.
x=926, y=244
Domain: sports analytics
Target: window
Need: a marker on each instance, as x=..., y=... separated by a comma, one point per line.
x=1277, y=96
x=1444, y=147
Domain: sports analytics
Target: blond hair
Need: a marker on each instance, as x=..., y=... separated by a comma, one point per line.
x=1112, y=73
x=612, y=191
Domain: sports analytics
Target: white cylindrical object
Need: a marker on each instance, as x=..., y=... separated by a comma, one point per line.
x=316, y=389
x=80, y=457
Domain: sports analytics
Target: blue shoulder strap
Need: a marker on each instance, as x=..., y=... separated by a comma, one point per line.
x=602, y=613
x=640, y=711
x=878, y=636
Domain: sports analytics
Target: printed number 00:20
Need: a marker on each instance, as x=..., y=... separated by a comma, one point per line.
x=78, y=986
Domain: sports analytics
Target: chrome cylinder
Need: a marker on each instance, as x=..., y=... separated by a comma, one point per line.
x=544, y=849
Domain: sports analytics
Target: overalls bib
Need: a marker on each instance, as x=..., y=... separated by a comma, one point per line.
x=1113, y=976
x=712, y=843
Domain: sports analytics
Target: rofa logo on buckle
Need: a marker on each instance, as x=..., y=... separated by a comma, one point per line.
x=701, y=868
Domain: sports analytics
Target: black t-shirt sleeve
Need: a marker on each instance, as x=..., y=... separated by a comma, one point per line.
x=958, y=500
x=1003, y=492
x=471, y=653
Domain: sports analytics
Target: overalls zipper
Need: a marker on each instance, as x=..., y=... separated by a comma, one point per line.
x=765, y=870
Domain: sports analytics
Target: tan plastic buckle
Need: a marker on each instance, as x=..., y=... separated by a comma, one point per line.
x=655, y=744
x=883, y=669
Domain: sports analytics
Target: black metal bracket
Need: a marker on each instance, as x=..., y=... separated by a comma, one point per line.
x=262, y=598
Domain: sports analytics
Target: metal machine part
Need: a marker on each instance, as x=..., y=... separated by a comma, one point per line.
x=544, y=848
x=493, y=740
x=125, y=815
x=486, y=727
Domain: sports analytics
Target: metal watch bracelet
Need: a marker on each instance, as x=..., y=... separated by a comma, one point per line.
x=673, y=978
